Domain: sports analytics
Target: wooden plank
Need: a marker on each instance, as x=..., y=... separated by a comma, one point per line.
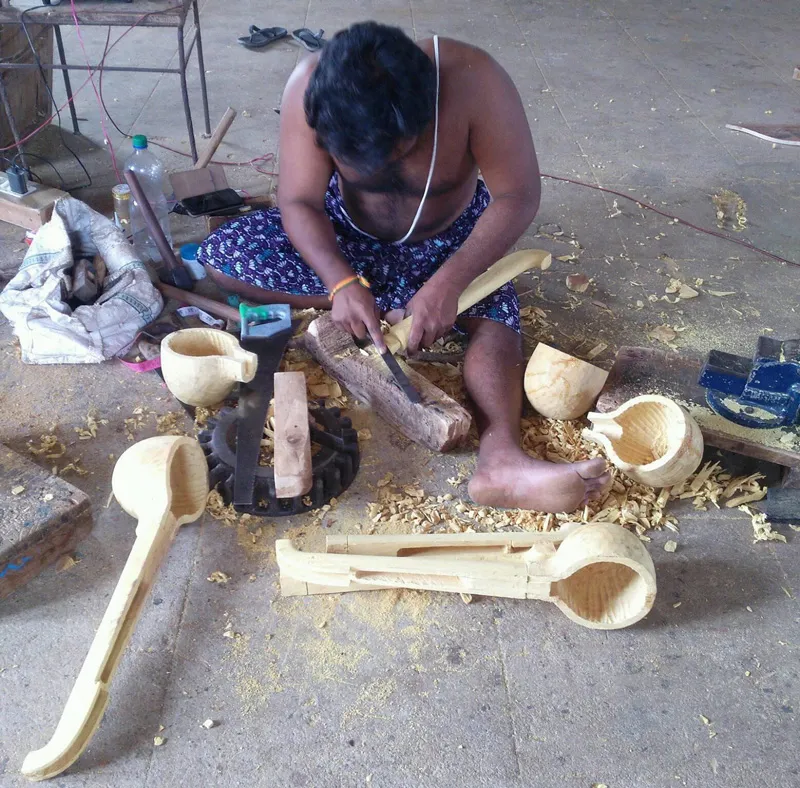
x=640, y=370
x=42, y=517
x=30, y=210
x=292, y=455
x=439, y=423
x=27, y=93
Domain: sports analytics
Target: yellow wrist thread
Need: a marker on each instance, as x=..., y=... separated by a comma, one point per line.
x=345, y=282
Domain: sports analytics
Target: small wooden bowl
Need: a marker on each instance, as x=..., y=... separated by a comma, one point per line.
x=561, y=386
x=651, y=439
x=202, y=365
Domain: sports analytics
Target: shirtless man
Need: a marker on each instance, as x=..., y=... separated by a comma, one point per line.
x=365, y=125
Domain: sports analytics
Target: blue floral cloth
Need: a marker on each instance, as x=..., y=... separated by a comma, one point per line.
x=255, y=249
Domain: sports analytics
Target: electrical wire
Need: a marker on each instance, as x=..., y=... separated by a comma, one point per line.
x=649, y=207
x=94, y=87
x=43, y=125
x=52, y=97
x=46, y=161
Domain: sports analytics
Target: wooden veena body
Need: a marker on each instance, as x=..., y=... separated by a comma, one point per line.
x=598, y=574
x=163, y=483
x=560, y=386
x=649, y=438
x=202, y=365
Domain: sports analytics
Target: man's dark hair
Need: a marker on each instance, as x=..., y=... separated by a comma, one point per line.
x=372, y=88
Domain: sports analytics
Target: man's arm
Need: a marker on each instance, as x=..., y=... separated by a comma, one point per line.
x=305, y=171
x=501, y=143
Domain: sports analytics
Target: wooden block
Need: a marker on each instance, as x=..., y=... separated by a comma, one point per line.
x=292, y=457
x=42, y=517
x=30, y=210
x=639, y=370
x=439, y=423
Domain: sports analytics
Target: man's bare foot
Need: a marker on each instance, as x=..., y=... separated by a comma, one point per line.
x=511, y=479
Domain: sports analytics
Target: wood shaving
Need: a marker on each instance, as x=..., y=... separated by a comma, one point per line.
x=159, y=741
x=578, y=283
x=136, y=421
x=670, y=546
x=218, y=577
x=18, y=490
x=49, y=446
x=92, y=423
x=74, y=466
x=599, y=348
x=208, y=724
x=721, y=293
x=364, y=434
x=67, y=562
x=172, y=423
x=664, y=334
x=731, y=210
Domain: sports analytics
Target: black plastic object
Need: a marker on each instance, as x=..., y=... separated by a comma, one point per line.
x=334, y=466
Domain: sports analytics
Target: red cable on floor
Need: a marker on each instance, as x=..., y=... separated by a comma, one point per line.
x=678, y=219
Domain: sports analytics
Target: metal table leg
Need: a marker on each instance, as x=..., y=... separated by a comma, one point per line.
x=185, y=94
x=201, y=64
x=67, y=84
x=11, y=123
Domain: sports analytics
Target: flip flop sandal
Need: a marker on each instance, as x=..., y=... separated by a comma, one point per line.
x=262, y=36
x=311, y=41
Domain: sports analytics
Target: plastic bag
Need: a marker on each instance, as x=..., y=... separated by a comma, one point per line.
x=34, y=301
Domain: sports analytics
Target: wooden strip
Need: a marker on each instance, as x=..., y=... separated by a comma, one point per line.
x=292, y=436
x=213, y=307
x=30, y=210
x=216, y=138
x=439, y=423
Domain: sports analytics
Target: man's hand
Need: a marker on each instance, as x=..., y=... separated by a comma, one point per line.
x=434, y=310
x=355, y=310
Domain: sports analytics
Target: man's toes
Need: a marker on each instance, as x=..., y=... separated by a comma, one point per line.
x=591, y=469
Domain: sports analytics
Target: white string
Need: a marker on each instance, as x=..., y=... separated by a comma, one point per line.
x=435, y=145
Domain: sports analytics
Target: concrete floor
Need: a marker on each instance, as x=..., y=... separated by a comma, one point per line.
x=397, y=690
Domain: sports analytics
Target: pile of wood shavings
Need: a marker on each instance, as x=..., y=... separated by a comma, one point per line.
x=51, y=448
x=319, y=384
x=92, y=423
x=636, y=506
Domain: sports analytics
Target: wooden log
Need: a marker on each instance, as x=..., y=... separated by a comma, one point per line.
x=439, y=423
x=43, y=518
x=210, y=305
x=292, y=455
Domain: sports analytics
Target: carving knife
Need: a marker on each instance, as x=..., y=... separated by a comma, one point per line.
x=504, y=270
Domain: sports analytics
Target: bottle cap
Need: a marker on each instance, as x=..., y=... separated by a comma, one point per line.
x=139, y=141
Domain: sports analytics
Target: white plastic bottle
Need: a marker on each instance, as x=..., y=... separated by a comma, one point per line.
x=150, y=172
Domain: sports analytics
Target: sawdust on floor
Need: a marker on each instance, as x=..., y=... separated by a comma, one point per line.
x=372, y=702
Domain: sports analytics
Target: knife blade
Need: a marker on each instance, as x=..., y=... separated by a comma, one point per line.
x=401, y=378
x=398, y=375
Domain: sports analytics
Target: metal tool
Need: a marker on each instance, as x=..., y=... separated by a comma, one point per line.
x=763, y=393
x=333, y=466
x=265, y=331
x=399, y=376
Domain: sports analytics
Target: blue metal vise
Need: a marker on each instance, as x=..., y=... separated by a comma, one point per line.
x=762, y=393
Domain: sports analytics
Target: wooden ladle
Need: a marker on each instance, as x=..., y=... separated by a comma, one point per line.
x=163, y=483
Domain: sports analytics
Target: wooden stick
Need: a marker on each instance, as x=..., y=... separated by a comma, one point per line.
x=494, y=277
x=292, y=436
x=439, y=423
x=210, y=305
x=216, y=138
